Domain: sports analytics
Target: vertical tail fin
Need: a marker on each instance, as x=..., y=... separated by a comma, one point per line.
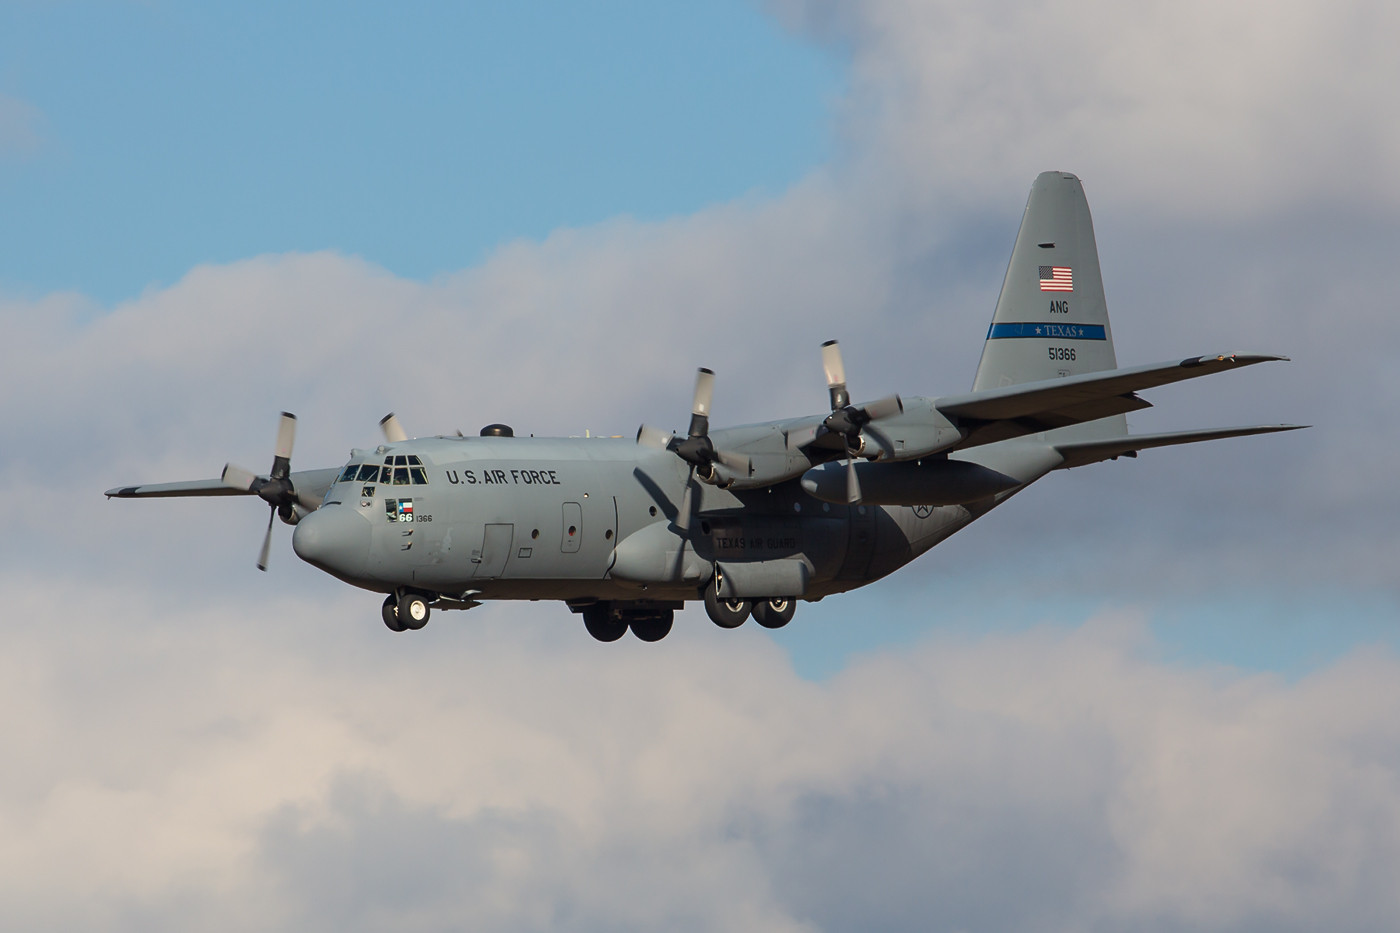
x=1051, y=318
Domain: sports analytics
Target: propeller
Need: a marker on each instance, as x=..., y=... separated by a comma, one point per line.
x=393, y=431
x=695, y=448
x=276, y=488
x=847, y=420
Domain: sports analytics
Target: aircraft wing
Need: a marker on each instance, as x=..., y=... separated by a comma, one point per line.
x=1079, y=453
x=198, y=487
x=1032, y=407
x=313, y=482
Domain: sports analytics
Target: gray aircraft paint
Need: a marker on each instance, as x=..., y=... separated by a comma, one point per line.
x=600, y=522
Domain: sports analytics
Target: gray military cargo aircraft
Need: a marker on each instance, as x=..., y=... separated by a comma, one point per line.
x=749, y=519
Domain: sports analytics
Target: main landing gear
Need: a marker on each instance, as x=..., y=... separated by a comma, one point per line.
x=404, y=611
x=606, y=622
x=732, y=613
x=774, y=613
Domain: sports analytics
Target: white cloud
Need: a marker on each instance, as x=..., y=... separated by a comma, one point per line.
x=507, y=773
x=1177, y=107
x=194, y=751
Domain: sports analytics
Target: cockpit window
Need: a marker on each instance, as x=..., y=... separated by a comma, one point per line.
x=401, y=470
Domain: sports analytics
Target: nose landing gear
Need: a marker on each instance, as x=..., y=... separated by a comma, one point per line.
x=405, y=611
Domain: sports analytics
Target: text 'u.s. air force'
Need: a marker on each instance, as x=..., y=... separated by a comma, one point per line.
x=504, y=478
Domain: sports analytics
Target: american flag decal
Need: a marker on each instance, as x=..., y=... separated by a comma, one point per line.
x=1056, y=279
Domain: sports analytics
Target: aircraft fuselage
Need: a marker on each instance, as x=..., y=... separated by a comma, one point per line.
x=580, y=519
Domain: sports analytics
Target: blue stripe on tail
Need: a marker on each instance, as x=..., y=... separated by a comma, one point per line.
x=1056, y=331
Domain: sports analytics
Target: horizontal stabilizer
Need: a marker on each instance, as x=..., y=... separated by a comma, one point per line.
x=1079, y=453
x=1029, y=408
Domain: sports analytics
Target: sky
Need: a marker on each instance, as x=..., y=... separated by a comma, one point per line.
x=1150, y=694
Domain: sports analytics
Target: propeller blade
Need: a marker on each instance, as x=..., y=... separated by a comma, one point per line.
x=393, y=431
x=885, y=408
x=853, y=495
x=236, y=477
x=683, y=514
x=267, y=542
x=700, y=408
x=704, y=391
x=831, y=362
x=835, y=374
x=286, y=435
x=647, y=436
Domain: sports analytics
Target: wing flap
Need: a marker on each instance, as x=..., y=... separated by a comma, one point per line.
x=1078, y=413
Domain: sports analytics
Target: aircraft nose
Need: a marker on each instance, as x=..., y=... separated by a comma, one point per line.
x=336, y=539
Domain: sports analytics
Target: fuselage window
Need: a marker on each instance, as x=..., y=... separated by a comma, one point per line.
x=400, y=476
x=420, y=475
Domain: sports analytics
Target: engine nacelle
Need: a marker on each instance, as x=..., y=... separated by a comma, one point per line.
x=920, y=431
x=293, y=514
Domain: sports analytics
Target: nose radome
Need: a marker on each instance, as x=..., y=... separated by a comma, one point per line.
x=334, y=538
